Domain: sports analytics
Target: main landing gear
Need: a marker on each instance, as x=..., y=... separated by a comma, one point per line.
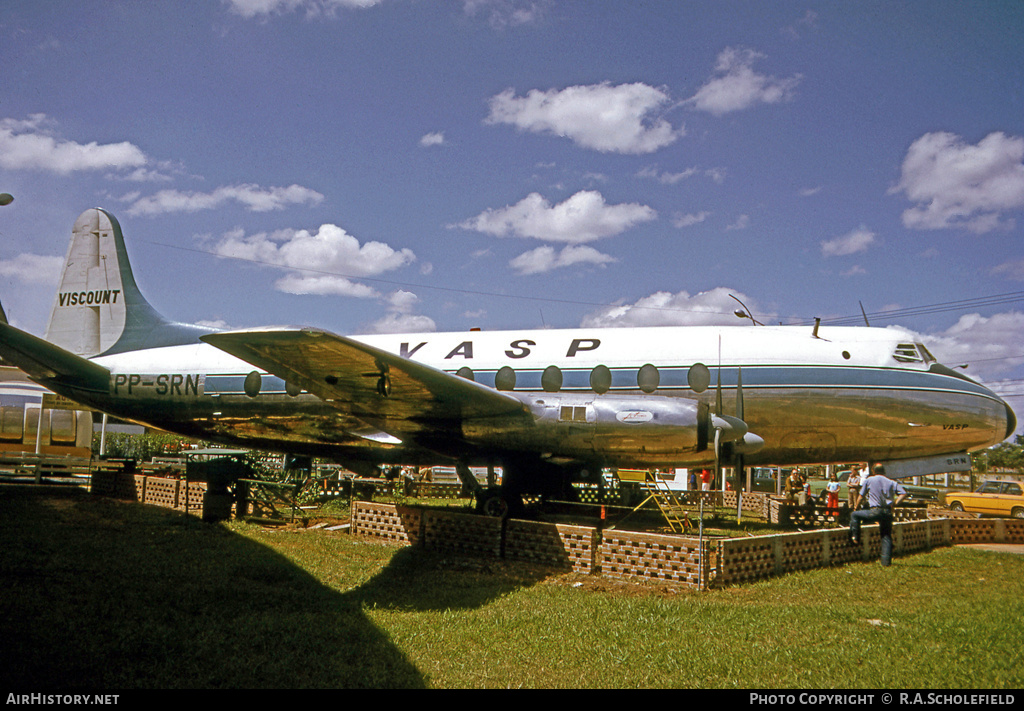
x=499, y=503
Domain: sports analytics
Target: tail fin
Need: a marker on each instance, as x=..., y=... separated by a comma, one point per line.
x=99, y=309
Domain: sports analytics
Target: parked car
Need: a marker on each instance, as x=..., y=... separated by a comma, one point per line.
x=763, y=479
x=993, y=498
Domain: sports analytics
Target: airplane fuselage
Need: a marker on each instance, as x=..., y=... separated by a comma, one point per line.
x=623, y=397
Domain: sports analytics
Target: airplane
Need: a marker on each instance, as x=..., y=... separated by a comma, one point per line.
x=548, y=406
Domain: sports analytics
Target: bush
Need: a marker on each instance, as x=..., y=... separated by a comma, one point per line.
x=140, y=447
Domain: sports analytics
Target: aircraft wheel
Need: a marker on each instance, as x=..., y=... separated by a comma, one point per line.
x=495, y=503
x=956, y=506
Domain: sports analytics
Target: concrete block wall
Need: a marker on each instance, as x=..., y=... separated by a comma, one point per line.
x=986, y=530
x=558, y=545
x=627, y=554
x=165, y=492
x=689, y=560
x=397, y=524
x=465, y=534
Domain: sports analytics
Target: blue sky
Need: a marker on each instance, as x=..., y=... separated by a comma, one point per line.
x=373, y=165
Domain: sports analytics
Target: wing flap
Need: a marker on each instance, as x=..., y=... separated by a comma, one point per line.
x=392, y=393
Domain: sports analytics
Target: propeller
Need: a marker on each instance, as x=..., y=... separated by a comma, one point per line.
x=732, y=438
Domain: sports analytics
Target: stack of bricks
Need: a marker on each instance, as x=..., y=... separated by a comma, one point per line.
x=165, y=492
x=753, y=502
x=436, y=490
x=397, y=524
x=161, y=492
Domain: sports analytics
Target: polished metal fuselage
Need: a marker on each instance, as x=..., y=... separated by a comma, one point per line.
x=838, y=398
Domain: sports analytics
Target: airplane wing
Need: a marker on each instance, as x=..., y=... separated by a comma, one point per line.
x=47, y=363
x=397, y=395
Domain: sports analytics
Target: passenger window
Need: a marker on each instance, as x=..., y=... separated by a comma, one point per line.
x=551, y=380
x=11, y=421
x=601, y=379
x=648, y=378
x=62, y=426
x=505, y=378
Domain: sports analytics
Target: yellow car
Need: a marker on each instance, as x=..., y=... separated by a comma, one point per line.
x=993, y=498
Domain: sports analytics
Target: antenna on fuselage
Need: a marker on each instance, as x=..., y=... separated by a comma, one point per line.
x=817, y=324
x=864, y=314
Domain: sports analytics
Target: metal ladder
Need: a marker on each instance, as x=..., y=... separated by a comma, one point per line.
x=672, y=510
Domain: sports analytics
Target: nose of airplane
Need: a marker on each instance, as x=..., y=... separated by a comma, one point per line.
x=1011, y=420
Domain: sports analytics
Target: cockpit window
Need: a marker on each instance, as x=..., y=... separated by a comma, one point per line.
x=913, y=353
x=907, y=353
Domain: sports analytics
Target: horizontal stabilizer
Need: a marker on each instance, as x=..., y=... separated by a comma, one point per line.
x=47, y=363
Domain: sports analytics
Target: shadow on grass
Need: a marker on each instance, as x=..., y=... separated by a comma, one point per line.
x=101, y=594
x=420, y=581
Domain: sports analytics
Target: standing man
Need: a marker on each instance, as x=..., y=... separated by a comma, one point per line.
x=853, y=487
x=883, y=494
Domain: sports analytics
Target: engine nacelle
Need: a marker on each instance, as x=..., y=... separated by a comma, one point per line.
x=613, y=411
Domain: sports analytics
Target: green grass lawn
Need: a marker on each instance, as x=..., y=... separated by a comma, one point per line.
x=103, y=594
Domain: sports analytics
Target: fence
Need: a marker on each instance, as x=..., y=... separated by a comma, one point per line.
x=171, y=493
x=686, y=560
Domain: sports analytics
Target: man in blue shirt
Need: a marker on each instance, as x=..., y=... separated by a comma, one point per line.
x=882, y=494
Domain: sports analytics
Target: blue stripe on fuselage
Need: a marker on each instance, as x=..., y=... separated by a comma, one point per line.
x=758, y=377
x=235, y=385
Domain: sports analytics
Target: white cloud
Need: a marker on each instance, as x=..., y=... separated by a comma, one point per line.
x=30, y=145
x=584, y=217
x=323, y=285
x=504, y=13
x=1013, y=270
x=990, y=344
x=737, y=86
x=545, y=259
x=682, y=221
x=432, y=139
x=856, y=241
x=252, y=197
x=708, y=308
x=261, y=8
x=403, y=323
x=322, y=263
x=400, y=317
x=742, y=222
x=667, y=178
x=33, y=268
x=611, y=119
x=958, y=185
